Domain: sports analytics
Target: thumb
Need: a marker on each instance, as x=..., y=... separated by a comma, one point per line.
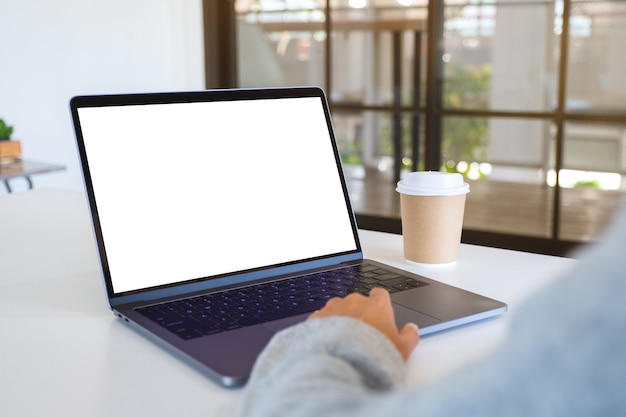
x=409, y=338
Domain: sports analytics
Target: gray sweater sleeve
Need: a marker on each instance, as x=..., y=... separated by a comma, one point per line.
x=342, y=360
x=565, y=356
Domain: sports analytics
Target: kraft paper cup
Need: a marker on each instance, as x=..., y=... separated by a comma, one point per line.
x=432, y=206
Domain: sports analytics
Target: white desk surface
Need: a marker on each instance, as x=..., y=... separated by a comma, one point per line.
x=62, y=352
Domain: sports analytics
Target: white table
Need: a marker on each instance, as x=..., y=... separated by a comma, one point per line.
x=62, y=352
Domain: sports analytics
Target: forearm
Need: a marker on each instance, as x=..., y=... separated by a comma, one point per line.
x=322, y=367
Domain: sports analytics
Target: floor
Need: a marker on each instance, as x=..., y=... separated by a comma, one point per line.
x=518, y=209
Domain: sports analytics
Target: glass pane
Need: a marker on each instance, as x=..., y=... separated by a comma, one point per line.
x=280, y=43
x=595, y=147
x=505, y=162
x=365, y=139
x=586, y=210
x=493, y=61
x=464, y=139
x=515, y=149
x=592, y=178
x=349, y=132
x=509, y=207
x=374, y=59
x=597, y=62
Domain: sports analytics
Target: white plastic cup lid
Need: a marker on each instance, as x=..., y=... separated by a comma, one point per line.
x=432, y=183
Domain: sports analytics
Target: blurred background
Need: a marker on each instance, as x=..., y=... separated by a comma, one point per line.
x=527, y=99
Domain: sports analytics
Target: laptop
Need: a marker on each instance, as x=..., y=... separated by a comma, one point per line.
x=223, y=216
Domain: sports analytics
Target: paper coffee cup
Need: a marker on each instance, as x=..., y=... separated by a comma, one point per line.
x=432, y=206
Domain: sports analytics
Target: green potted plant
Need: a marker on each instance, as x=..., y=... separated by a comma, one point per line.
x=10, y=150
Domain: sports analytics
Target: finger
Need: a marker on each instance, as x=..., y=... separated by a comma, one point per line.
x=331, y=306
x=327, y=310
x=409, y=337
x=332, y=302
x=410, y=333
x=378, y=292
x=313, y=315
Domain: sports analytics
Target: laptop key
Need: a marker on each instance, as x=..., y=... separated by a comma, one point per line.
x=388, y=276
x=393, y=282
x=206, y=331
x=415, y=283
x=192, y=334
x=250, y=320
x=366, y=280
x=301, y=309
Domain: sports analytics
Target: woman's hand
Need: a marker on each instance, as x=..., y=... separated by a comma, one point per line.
x=375, y=310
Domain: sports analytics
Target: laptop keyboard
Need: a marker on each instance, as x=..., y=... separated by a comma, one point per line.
x=228, y=310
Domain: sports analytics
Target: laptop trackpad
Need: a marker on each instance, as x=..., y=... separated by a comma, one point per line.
x=278, y=325
x=406, y=315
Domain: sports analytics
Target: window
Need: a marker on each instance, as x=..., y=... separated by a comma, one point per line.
x=526, y=99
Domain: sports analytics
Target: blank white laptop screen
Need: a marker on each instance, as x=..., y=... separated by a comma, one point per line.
x=192, y=190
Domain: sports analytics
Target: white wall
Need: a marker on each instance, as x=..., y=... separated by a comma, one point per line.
x=53, y=50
